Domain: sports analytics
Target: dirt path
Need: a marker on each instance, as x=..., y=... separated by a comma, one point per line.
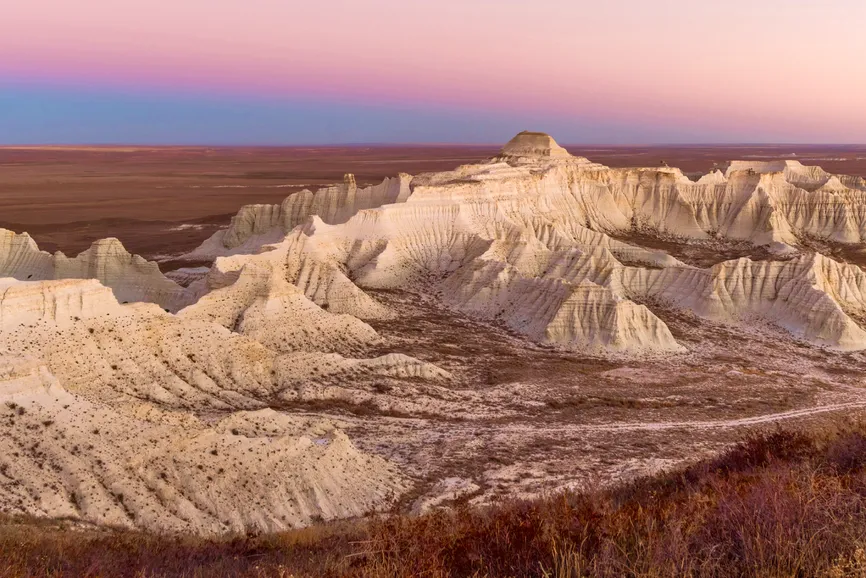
x=719, y=424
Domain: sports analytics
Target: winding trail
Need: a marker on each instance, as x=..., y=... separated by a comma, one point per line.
x=721, y=424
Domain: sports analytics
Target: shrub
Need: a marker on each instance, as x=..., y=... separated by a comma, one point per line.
x=784, y=503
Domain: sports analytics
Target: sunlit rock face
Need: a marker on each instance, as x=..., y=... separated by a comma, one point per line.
x=533, y=144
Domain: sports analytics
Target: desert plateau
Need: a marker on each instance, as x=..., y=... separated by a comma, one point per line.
x=523, y=322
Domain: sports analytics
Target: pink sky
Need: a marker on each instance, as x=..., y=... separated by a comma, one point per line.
x=790, y=68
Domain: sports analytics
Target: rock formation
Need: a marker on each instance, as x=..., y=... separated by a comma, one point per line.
x=131, y=277
x=528, y=239
x=129, y=367
x=533, y=144
x=257, y=225
x=135, y=465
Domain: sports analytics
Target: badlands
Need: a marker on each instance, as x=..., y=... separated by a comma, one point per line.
x=513, y=326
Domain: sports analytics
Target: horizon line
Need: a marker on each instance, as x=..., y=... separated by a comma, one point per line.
x=80, y=145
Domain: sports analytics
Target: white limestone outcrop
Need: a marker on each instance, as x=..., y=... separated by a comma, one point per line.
x=257, y=225
x=263, y=305
x=526, y=239
x=131, y=277
x=134, y=465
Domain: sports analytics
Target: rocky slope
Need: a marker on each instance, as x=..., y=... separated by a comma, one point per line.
x=131, y=277
x=134, y=464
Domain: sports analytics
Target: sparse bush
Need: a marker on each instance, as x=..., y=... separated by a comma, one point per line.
x=780, y=504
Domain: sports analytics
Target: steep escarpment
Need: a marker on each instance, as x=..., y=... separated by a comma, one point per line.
x=257, y=225
x=811, y=296
x=263, y=305
x=525, y=239
x=131, y=277
x=531, y=238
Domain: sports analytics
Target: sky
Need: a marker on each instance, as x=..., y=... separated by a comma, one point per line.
x=461, y=71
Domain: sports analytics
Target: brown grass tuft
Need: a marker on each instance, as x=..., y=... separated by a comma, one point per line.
x=780, y=504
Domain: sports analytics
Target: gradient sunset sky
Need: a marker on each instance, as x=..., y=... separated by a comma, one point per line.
x=475, y=71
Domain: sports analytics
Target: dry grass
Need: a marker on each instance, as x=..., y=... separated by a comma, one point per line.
x=783, y=503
